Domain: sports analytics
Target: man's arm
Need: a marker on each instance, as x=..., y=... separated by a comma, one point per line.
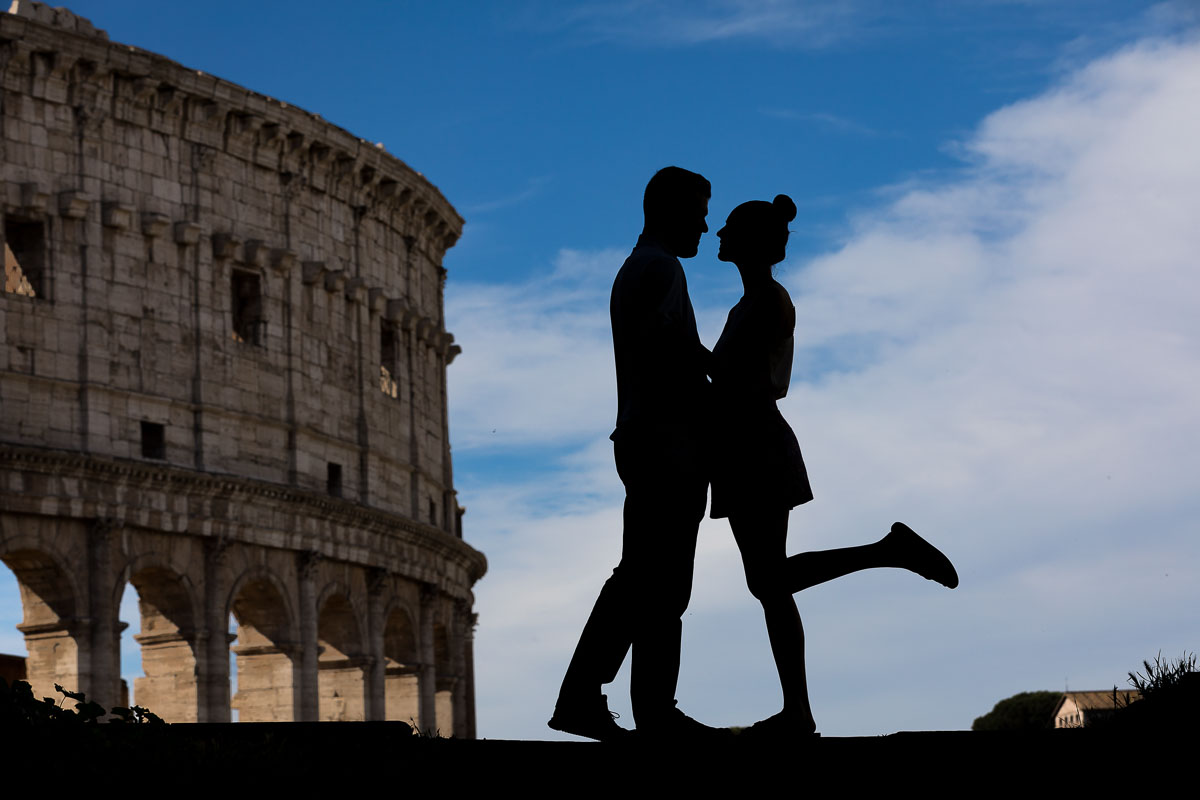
x=674, y=321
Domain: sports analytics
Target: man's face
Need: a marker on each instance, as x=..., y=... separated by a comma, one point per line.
x=690, y=226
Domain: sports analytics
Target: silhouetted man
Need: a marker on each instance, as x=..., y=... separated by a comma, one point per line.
x=660, y=449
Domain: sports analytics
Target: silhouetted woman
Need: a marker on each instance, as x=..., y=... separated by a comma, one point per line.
x=759, y=474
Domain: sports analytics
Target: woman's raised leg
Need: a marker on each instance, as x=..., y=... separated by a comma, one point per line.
x=901, y=548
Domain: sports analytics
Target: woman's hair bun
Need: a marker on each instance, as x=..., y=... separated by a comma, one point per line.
x=784, y=207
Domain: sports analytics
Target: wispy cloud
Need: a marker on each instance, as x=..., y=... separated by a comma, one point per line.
x=811, y=23
x=533, y=187
x=823, y=119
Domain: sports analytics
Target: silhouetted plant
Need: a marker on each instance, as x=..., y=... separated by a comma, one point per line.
x=134, y=714
x=1162, y=675
x=436, y=733
x=1169, y=696
x=18, y=706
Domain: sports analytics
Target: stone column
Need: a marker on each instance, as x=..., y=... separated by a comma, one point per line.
x=468, y=678
x=365, y=345
x=411, y=348
x=305, y=666
x=100, y=649
x=427, y=679
x=213, y=640
x=462, y=624
x=450, y=520
x=373, y=673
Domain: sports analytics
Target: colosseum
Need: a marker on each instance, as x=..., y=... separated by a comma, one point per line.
x=224, y=383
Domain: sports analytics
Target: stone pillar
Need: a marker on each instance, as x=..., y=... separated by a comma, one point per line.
x=375, y=690
x=462, y=630
x=367, y=369
x=306, y=680
x=213, y=640
x=410, y=351
x=450, y=518
x=427, y=679
x=468, y=679
x=100, y=649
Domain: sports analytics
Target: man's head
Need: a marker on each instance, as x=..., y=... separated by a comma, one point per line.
x=675, y=205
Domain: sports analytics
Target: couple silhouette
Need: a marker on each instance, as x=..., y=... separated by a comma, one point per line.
x=677, y=433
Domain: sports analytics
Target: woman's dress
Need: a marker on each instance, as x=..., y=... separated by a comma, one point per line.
x=757, y=461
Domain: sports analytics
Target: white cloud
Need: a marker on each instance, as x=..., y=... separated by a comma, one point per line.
x=537, y=365
x=1009, y=361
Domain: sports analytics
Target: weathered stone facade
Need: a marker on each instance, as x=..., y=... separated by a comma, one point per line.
x=223, y=365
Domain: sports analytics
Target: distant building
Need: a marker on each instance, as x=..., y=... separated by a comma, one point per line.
x=12, y=668
x=223, y=382
x=1079, y=709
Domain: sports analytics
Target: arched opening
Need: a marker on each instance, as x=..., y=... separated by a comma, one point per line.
x=48, y=622
x=168, y=685
x=446, y=679
x=12, y=643
x=340, y=681
x=129, y=667
x=401, y=676
x=232, y=630
x=263, y=655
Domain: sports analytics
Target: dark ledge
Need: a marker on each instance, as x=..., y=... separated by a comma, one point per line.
x=939, y=763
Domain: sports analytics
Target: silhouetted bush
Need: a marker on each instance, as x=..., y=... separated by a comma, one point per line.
x=1170, y=697
x=1027, y=711
x=19, y=707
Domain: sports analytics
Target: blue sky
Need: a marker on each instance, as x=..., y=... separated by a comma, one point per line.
x=993, y=268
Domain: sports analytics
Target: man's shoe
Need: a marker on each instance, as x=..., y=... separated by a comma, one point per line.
x=675, y=725
x=781, y=727
x=921, y=557
x=590, y=719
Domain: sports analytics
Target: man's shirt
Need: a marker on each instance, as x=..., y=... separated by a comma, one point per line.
x=661, y=364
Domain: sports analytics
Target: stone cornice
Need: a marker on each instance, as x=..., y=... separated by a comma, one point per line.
x=386, y=534
x=369, y=174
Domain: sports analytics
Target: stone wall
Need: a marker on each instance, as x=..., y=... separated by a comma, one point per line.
x=221, y=333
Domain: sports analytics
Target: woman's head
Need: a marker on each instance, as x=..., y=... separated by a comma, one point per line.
x=756, y=232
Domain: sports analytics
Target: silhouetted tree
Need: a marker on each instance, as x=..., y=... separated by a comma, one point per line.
x=1027, y=711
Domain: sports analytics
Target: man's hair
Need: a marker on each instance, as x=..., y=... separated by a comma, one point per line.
x=670, y=189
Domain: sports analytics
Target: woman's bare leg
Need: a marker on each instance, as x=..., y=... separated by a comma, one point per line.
x=762, y=539
x=901, y=548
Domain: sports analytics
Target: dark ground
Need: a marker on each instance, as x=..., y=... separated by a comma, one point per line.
x=384, y=758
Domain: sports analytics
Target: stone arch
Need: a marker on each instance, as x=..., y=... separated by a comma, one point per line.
x=402, y=664
x=50, y=601
x=267, y=648
x=341, y=658
x=169, y=614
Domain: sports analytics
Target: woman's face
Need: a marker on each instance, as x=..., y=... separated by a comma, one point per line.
x=732, y=237
x=751, y=236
